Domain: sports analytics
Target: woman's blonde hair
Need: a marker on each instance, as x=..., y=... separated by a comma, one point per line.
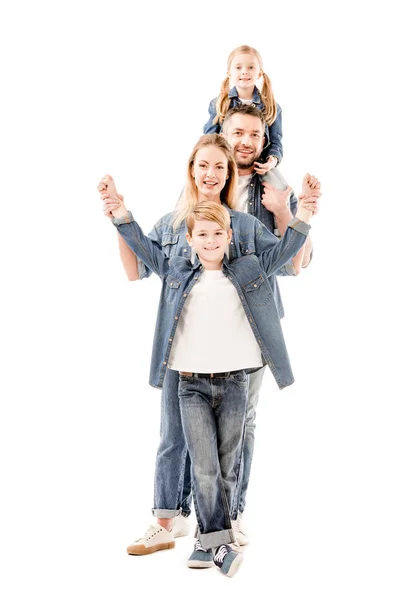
x=267, y=97
x=206, y=210
x=189, y=196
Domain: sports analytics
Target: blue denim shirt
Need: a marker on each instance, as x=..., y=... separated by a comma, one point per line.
x=249, y=236
x=249, y=275
x=273, y=133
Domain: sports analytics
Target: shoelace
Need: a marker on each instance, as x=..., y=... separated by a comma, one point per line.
x=198, y=546
x=152, y=530
x=220, y=554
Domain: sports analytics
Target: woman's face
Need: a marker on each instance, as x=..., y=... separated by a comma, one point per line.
x=210, y=172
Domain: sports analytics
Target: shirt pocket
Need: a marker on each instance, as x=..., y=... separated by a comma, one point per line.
x=171, y=290
x=247, y=247
x=257, y=291
x=169, y=242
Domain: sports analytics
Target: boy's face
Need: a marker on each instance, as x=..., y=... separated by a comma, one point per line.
x=209, y=241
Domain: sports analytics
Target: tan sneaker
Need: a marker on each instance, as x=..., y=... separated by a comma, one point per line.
x=156, y=538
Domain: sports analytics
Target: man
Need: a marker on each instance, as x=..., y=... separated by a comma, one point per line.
x=244, y=131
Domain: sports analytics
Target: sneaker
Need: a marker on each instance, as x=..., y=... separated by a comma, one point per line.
x=200, y=557
x=227, y=560
x=181, y=526
x=156, y=538
x=240, y=534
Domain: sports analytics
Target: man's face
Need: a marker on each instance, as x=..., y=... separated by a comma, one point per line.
x=245, y=134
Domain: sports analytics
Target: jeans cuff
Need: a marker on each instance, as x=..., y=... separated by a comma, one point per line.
x=165, y=513
x=216, y=538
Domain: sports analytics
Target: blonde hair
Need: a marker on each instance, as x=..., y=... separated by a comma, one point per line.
x=189, y=197
x=206, y=210
x=267, y=97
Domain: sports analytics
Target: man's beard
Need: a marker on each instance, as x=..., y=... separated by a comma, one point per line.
x=242, y=165
x=246, y=165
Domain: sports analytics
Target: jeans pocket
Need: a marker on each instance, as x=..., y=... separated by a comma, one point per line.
x=240, y=377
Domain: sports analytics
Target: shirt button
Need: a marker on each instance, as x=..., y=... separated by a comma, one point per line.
x=176, y=318
x=255, y=285
x=164, y=363
x=184, y=295
x=185, y=250
x=252, y=185
x=171, y=284
x=231, y=243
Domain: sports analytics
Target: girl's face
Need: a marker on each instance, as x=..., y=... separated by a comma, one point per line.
x=244, y=71
x=210, y=172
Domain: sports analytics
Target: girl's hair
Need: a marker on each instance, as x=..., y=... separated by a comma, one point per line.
x=267, y=97
x=189, y=196
x=206, y=210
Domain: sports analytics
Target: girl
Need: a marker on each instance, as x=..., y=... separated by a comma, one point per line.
x=244, y=70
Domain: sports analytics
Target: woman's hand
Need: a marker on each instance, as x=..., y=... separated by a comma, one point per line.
x=262, y=168
x=112, y=201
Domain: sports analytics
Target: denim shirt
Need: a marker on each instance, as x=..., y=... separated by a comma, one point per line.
x=249, y=275
x=249, y=236
x=273, y=133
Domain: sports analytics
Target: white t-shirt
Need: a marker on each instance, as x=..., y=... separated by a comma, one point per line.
x=243, y=192
x=213, y=333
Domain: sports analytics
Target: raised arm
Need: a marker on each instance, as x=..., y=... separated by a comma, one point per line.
x=282, y=251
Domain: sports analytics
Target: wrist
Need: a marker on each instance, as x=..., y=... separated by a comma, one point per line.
x=119, y=212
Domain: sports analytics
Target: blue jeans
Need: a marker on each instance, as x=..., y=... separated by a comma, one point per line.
x=172, y=482
x=213, y=411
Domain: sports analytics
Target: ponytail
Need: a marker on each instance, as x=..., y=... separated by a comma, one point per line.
x=268, y=100
x=222, y=104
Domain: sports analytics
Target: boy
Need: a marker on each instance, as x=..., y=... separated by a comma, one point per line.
x=216, y=322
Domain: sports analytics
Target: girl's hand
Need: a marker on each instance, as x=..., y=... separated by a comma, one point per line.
x=311, y=186
x=262, y=168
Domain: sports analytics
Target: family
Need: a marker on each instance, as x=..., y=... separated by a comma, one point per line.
x=235, y=228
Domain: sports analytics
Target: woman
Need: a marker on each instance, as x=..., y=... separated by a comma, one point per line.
x=211, y=175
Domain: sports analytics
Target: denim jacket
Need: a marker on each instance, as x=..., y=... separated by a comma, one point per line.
x=249, y=275
x=249, y=236
x=273, y=133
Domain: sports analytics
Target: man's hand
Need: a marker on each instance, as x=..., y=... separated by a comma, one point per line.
x=275, y=200
x=262, y=168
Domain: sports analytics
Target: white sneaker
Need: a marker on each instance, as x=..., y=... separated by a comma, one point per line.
x=240, y=534
x=156, y=538
x=181, y=526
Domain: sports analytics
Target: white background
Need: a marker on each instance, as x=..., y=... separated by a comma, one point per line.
x=93, y=88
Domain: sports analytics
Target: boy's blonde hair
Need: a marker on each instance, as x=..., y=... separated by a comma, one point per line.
x=189, y=196
x=267, y=97
x=207, y=210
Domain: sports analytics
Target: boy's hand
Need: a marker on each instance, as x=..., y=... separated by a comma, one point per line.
x=262, y=168
x=275, y=200
x=311, y=186
x=111, y=204
x=310, y=203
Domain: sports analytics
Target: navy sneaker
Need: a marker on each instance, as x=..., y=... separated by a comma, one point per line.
x=227, y=560
x=200, y=557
